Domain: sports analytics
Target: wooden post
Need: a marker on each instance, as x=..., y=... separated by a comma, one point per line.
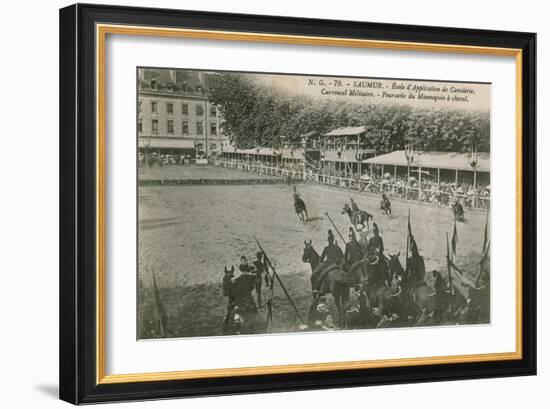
x=475, y=189
x=419, y=182
x=394, y=178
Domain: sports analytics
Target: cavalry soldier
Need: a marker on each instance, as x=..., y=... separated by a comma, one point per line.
x=260, y=272
x=331, y=258
x=332, y=254
x=376, y=244
x=244, y=267
x=363, y=237
x=353, y=253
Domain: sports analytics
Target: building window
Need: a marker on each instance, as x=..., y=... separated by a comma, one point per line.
x=199, y=128
x=140, y=125
x=213, y=129
x=185, y=109
x=155, y=126
x=213, y=111
x=199, y=110
x=185, y=128
x=169, y=108
x=154, y=107
x=170, y=126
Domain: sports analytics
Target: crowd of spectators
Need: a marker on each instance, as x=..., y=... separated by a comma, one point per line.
x=445, y=193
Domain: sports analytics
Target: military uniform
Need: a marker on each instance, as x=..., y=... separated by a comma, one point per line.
x=353, y=252
x=376, y=245
x=332, y=254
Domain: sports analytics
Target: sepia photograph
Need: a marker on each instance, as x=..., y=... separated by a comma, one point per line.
x=289, y=203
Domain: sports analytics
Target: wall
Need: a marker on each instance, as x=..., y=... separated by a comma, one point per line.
x=30, y=203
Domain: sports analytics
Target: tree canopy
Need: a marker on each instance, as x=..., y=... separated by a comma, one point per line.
x=255, y=115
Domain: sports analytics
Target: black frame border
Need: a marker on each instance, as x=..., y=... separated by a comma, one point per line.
x=78, y=210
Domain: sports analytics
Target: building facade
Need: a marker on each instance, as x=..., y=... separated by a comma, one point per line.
x=177, y=121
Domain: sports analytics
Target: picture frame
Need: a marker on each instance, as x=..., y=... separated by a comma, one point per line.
x=84, y=177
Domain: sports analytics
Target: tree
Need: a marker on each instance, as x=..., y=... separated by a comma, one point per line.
x=255, y=115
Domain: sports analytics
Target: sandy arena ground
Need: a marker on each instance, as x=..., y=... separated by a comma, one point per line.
x=187, y=234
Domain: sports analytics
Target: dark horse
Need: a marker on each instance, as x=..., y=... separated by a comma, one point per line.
x=300, y=207
x=458, y=211
x=385, y=205
x=357, y=217
x=337, y=281
x=380, y=294
x=417, y=297
x=239, y=290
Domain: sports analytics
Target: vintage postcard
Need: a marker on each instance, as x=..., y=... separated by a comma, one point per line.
x=272, y=203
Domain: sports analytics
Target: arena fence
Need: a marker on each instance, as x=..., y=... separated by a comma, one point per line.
x=400, y=190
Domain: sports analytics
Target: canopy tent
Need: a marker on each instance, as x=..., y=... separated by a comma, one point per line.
x=347, y=131
x=434, y=160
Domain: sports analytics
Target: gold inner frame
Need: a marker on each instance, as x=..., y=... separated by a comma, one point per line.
x=102, y=30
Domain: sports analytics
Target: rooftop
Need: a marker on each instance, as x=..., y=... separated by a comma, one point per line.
x=347, y=131
x=434, y=160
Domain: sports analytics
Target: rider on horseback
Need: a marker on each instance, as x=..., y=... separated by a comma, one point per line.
x=376, y=244
x=353, y=255
x=331, y=258
x=354, y=252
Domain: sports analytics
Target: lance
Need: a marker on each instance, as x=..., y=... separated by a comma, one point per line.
x=335, y=228
x=266, y=258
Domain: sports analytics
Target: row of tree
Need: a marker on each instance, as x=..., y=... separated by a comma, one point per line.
x=255, y=115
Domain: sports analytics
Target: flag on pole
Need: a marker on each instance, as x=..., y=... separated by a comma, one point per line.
x=451, y=288
x=409, y=234
x=485, y=235
x=454, y=243
x=484, y=262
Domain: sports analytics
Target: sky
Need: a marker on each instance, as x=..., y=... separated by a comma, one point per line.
x=422, y=94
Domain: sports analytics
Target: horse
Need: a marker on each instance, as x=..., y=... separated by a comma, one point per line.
x=358, y=217
x=458, y=211
x=300, y=207
x=311, y=256
x=418, y=298
x=379, y=294
x=239, y=290
x=385, y=205
x=335, y=281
